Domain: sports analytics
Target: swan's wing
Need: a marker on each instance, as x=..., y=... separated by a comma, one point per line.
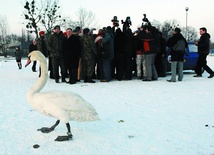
x=66, y=105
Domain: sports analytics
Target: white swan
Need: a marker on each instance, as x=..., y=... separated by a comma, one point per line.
x=65, y=106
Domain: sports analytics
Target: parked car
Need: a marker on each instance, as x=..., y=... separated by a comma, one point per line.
x=190, y=57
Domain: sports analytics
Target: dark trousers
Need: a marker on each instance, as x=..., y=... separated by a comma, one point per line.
x=202, y=63
x=56, y=63
x=72, y=74
x=100, y=70
x=107, y=69
x=120, y=67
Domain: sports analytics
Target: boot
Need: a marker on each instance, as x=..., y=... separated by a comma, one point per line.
x=85, y=79
x=90, y=80
x=71, y=80
x=19, y=66
x=63, y=79
x=57, y=80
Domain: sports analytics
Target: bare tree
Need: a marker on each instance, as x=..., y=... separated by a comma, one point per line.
x=85, y=18
x=168, y=27
x=33, y=15
x=4, y=39
x=70, y=23
x=157, y=24
x=191, y=33
x=51, y=15
x=45, y=14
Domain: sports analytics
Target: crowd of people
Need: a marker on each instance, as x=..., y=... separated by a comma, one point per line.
x=115, y=53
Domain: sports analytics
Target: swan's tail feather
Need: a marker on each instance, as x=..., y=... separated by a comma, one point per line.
x=84, y=117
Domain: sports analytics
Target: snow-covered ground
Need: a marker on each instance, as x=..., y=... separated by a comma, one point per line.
x=137, y=118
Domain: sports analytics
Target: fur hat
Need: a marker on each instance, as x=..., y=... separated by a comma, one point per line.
x=41, y=33
x=77, y=28
x=86, y=30
x=57, y=27
x=177, y=30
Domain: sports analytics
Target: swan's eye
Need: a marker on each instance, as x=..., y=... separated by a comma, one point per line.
x=29, y=57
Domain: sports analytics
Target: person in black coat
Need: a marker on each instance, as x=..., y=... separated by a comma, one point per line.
x=119, y=58
x=161, y=57
x=177, y=58
x=72, y=54
x=33, y=47
x=128, y=53
x=203, y=50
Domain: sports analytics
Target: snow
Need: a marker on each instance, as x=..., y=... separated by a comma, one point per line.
x=137, y=118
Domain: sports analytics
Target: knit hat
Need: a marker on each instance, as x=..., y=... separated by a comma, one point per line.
x=41, y=33
x=65, y=33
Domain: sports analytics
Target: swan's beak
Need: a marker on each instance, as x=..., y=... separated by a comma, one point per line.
x=28, y=62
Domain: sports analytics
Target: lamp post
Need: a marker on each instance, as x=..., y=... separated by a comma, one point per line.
x=186, y=9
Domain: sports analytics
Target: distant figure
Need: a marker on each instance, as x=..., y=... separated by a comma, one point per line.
x=108, y=44
x=18, y=55
x=33, y=47
x=161, y=57
x=203, y=50
x=177, y=56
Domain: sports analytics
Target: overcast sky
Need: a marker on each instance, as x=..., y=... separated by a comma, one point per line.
x=200, y=12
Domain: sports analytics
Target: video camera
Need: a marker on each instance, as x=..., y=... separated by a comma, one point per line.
x=127, y=22
x=145, y=19
x=115, y=21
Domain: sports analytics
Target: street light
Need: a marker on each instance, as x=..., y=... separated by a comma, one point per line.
x=187, y=9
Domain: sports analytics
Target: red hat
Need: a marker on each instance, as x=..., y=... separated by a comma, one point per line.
x=41, y=32
x=65, y=33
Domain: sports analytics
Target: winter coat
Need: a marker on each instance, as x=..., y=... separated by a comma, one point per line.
x=41, y=45
x=72, y=49
x=89, y=48
x=18, y=54
x=32, y=47
x=176, y=56
x=97, y=41
x=55, y=45
x=108, y=43
x=119, y=41
x=204, y=44
x=148, y=43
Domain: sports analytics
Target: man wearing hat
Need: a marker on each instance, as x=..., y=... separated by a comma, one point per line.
x=88, y=56
x=41, y=46
x=55, y=47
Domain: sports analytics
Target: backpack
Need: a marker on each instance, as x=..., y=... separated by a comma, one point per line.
x=180, y=46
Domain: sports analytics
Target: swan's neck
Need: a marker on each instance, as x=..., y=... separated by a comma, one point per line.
x=42, y=80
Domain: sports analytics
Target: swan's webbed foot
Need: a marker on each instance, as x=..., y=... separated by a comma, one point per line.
x=45, y=130
x=64, y=138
